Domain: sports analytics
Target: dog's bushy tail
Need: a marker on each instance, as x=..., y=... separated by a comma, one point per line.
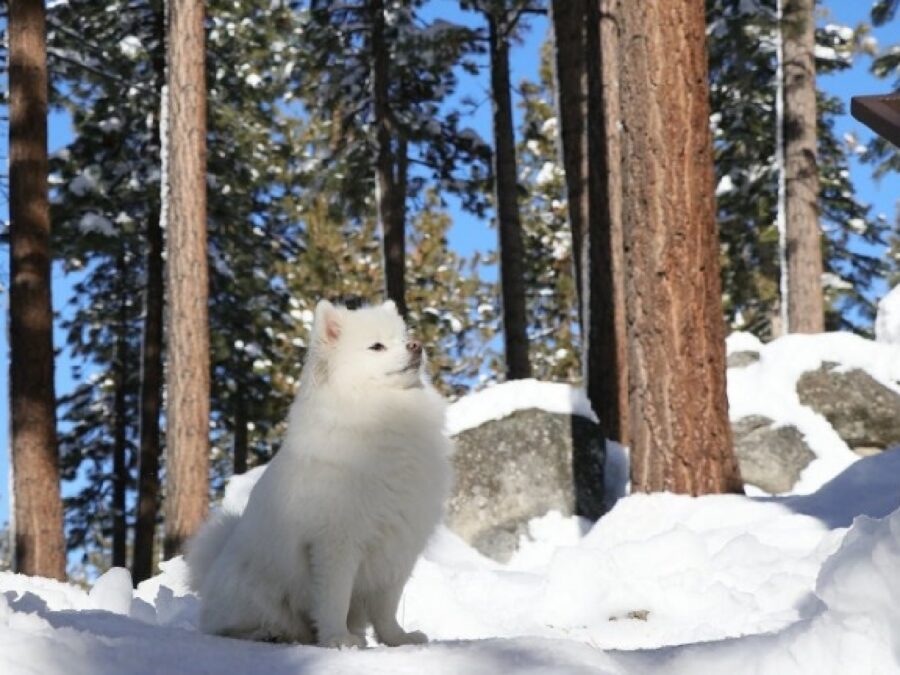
x=206, y=545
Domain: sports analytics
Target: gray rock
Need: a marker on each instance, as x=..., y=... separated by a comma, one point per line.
x=742, y=359
x=863, y=412
x=771, y=458
x=511, y=470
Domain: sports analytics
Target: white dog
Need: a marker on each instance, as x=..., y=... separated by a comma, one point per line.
x=333, y=528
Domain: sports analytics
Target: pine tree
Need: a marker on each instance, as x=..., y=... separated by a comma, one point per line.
x=39, y=546
x=676, y=342
x=184, y=188
x=549, y=267
x=742, y=82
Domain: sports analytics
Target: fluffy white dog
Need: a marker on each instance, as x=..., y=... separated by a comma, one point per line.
x=333, y=528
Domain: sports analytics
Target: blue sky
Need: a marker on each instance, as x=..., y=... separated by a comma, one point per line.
x=469, y=233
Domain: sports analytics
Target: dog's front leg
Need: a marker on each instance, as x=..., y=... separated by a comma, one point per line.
x=383, y=613
x=333, y=567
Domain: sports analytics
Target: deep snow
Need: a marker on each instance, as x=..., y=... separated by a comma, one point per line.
x=662, y=584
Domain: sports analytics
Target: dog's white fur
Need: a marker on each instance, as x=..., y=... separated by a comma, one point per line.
x=333, y=528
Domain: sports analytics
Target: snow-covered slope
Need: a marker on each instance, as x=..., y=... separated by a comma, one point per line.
x=707, y=585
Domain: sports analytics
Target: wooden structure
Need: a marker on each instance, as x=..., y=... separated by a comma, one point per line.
x=880, y=113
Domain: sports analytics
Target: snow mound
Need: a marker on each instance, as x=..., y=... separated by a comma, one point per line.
x=504, y=399
x=713, y=584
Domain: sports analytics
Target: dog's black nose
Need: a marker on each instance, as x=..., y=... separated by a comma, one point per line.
x=414, y=346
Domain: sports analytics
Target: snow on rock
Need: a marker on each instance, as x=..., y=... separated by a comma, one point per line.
x=768, y=387
x=504, y=399
x=887, y=322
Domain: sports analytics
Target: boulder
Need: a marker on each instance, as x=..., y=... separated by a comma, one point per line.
x=519, y=467
x=742, y=359
x=771, y=458
x=863, y=412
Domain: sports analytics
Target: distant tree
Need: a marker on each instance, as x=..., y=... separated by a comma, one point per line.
x=38, y=519
x=184, y=195
x=587, y=66
x=680, y=435
x=502, y=17
x=742, y=58
x=551, y=298
x=805, y=311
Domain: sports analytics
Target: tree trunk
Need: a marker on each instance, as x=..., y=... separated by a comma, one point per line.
x=37, y=506
x=240, y=431
x=151, y=358
x=804, y=238
x=680, y=435
x=187, y=371
x=390, y=203
x=120, y=439
x=587, y=72
x=569, y=22
x=512, y=255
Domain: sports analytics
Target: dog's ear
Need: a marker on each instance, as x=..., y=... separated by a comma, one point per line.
x=327, y=323
x=391, y=306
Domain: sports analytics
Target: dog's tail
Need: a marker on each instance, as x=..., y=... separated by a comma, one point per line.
x=206, y=545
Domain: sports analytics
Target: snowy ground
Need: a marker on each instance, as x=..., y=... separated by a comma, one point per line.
x=807, y=583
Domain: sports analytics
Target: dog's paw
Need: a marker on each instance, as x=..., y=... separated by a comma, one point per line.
x=415, y=637
x=346, y=641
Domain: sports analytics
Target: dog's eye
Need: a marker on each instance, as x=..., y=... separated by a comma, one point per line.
x=377, y=347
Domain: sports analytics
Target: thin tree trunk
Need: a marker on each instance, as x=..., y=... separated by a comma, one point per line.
x=187, y=371
x=240, y=431
x=38, y=518
x=120, y=440
x=569, y=23
x=388, y=200
x=512, y=254
x=151, y=358
x=680, y=435
x=804, y=237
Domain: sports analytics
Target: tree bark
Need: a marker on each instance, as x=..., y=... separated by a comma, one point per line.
x=512, y=255
x=804, y=238
x=120, y=439
x=151, y=358
x=187, y=371
x=680, y=435
x=37, y=506
x=391, y=204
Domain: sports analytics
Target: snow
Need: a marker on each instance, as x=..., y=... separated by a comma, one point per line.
x=887, y=322
x=663, y=583
x=503, y=399
x=768, y=388
x=94, y=222
x=792, y=584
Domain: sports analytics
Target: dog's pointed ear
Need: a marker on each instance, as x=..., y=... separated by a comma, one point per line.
x=327, y=323
x=391, y=306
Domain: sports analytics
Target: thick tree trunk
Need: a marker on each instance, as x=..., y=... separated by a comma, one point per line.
x=37, y=506
x=240, y=431
x=390, y=203
x=512, y=255
x=804, y=237
x=680, y=435
x=120, y=439
x=187, y=371
x=151, y=359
